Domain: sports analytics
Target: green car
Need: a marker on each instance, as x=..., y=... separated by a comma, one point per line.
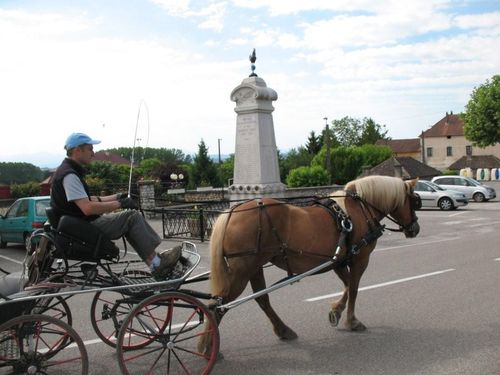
x=22, y=218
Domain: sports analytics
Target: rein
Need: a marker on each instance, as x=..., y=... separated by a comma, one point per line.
x=357, y=197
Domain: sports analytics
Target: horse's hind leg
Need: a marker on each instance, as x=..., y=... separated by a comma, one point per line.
x=281, y=329
x=339, y=306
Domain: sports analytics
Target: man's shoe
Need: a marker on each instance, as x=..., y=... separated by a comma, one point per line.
x=168, y=260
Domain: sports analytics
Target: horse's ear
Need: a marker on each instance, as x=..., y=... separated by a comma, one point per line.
x=413, y=182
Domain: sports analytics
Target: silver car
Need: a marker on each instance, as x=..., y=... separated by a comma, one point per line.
x=433, y=195
x=470, y=187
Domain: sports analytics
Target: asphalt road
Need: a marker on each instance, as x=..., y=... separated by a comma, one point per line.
x=431, y=305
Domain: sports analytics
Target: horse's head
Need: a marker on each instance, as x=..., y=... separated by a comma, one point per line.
x=390, y=197
x=404, y=215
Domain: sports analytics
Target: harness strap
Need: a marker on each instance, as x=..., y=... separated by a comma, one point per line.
x=283, y=245
x=344, y=228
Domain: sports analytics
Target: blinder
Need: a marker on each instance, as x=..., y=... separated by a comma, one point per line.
x=413, y=228
x=415, y=201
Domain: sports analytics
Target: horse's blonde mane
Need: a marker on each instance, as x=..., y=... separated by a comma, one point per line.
x=384, y=192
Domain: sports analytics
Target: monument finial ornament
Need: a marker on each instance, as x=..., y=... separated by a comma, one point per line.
x=253, y=59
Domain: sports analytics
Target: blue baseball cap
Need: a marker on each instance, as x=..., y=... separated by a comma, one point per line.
x=78, y=139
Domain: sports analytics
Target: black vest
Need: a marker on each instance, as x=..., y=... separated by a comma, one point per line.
x=58, y=200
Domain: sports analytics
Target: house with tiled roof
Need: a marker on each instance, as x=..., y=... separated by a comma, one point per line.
x=403, y=147
x=444, y=144
x=403, y=166
x=110, y=158
x=475, y=162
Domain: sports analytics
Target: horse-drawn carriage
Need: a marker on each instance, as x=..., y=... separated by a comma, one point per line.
x=163, y=327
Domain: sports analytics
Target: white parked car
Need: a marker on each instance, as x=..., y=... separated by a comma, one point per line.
x=470, y=187
x=433, y=195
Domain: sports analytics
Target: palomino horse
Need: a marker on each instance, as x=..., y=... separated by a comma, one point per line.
x=297, y=239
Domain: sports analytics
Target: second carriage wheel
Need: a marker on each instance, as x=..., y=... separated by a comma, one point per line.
x=41, y=344
x=173, y=324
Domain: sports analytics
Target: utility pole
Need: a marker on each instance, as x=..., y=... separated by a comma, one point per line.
x=327, y=144
x=218, y=144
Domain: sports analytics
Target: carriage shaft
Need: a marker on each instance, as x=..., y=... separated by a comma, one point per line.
x=227, y=306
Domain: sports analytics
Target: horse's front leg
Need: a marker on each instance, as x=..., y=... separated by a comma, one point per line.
x=258, y=283
x=358, y=267
x=339, y=305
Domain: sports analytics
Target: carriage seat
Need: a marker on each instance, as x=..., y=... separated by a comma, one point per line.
x=77, y=239
x=11, y=283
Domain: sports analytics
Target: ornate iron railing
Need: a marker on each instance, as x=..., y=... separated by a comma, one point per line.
x=195, y=220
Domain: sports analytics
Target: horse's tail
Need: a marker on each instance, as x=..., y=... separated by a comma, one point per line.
x=219, y=270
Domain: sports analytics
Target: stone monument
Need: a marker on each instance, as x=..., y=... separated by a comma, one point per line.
x=256, y=170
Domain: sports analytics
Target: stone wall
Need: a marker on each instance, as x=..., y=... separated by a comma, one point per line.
x=219, y=194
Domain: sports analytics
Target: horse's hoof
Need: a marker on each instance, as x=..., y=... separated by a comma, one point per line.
x=288, y=334
x=334, y=318
x=358, y=327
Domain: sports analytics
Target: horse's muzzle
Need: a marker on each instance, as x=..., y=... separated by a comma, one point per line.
x=412, y=230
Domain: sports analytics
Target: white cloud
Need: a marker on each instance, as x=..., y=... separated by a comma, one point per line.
x=281, y=8
x=58, y=85
x=215, y=13
x=178, y=8
x=212, y=14
x=484, y=20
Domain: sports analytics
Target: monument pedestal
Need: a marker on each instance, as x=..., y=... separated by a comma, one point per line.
x=256, y=169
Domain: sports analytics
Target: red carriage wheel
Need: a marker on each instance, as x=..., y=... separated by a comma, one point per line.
x=56, y=307
x=41, y=344
x=110, y=308
x=172, y=323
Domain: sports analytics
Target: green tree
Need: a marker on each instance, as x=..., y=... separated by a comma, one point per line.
x=28, y=189
x=349, y=131
x=166, y=155
x=204, y=171
x=149, y=168
x=19, y=173
x=296, y=157
x=482, y=114
x=330, y=136
x=307, y=176
x=227, y=169
x=314, y=143
x=372, y=132
x=347, y=162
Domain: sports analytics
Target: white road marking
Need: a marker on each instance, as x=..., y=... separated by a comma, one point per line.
x=11, y=260
x=458, y=213
x=382, y=284
x=98, y=341
x=416, y=244
x=497, y=259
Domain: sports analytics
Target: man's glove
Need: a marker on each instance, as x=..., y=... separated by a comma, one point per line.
x=126, y=203
x=121, y=196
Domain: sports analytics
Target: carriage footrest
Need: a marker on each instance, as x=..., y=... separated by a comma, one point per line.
x=8, y=347
x=176, y=275
x=124, y=280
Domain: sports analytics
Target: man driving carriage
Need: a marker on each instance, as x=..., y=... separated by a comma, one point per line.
x=70, y=196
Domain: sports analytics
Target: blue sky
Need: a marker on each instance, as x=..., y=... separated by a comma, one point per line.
x=88, y=65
